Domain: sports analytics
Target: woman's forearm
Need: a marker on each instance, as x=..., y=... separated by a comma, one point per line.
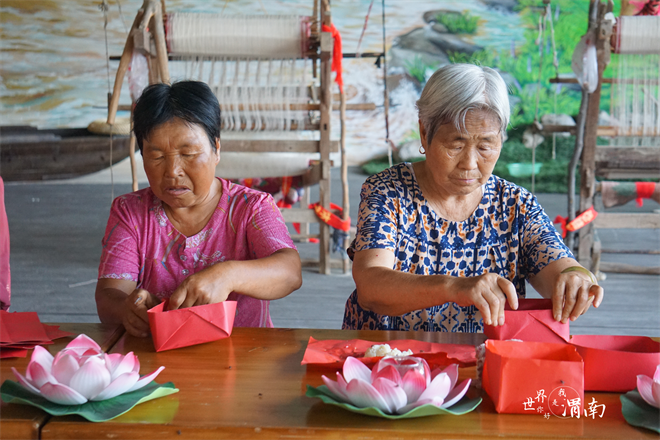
x=110, y=305
x=390, y=292
x=268, y=278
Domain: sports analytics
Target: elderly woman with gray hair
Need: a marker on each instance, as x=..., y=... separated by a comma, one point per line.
x=443, y=244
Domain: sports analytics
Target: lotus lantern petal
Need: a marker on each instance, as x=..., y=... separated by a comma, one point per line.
x=82, y=372
x=649, y=388
x=397, y=385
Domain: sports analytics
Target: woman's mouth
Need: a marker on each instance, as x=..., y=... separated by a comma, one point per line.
x=176, y=190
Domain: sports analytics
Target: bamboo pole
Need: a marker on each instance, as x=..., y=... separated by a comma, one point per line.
x=131, y=153
x=344, y=173
x=121, y=71
x=324, y=142
x=161, y=48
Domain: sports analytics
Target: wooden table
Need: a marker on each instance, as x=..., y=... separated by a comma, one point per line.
x=22, y=421
x=252, y=386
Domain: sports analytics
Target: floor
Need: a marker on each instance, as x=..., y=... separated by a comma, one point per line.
x=56, y=230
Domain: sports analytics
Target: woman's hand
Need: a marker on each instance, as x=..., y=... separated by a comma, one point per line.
x=136, y=320
x=488, y=293
x=572, y=288
x=208, y=286
x=573, y=293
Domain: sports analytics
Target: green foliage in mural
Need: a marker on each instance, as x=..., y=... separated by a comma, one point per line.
x=419, y=69
x=464, y=23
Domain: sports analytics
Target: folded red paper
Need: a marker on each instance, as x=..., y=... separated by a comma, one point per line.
x=16, y=328
x=333, y=352
x=21, y=331
x=190, y=326
x=612, y=363
x=534, y=378
x=13, y=353
x=533, y=321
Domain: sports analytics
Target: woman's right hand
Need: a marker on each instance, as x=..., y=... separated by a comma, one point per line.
x=488, y=293
x=136, y=320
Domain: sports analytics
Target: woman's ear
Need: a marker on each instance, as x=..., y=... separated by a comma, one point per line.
x=217, y=151
x=422, y=134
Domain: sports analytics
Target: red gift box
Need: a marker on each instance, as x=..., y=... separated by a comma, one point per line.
x=192, y=325
x=533, y=321
x=534, y=378
x=612, y=363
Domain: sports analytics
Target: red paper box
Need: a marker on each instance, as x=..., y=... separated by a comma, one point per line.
x=612, y=363
x=190, y=326
x=534, y=378
x=533, y=321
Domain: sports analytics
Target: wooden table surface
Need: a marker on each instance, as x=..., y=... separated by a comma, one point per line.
x=252, y=386
x=22, y=421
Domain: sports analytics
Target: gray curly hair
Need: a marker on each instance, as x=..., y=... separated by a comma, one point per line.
x=455, y=89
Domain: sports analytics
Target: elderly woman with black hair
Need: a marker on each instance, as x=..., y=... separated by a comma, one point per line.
x=442, y=244
x=190, y=238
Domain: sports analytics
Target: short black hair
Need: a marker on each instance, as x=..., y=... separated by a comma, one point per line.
x=192, y=101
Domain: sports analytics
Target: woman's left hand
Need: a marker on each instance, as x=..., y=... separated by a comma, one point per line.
x=205, y=287
x=573, y=293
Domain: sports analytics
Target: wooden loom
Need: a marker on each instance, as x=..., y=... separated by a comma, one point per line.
x=609, y=162
x=147, y=35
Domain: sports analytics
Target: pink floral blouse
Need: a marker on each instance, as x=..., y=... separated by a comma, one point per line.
x=141, y=245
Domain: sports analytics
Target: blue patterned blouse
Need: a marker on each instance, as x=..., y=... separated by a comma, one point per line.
x=508, y=234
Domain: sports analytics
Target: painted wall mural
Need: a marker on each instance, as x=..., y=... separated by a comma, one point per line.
x=55, y=73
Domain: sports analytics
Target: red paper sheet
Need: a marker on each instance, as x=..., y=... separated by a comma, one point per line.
x=333, y=352
x=54, y=332
x=24, y=327
x=12, y=353
x=612, y=363
x=190, y=326
x=533, y=321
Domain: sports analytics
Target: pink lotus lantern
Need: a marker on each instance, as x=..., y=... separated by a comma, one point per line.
x=649, y=388
x=397, y=385
x=82, y=372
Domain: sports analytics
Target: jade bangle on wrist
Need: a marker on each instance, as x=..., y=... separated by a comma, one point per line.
x=583, y=270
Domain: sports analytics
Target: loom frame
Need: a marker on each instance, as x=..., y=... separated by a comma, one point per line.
x=605, y=162
x=147, y=35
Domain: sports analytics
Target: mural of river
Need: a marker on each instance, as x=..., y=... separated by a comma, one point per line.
x=54, y=73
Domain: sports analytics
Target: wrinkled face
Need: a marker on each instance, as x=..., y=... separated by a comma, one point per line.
x=461, y=162
x=180, y=163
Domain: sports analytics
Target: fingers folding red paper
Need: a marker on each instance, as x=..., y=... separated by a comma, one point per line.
x=190, y=326
x=533, y=321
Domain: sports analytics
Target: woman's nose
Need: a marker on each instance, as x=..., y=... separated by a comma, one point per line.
x=468, y=160
x=173, y=166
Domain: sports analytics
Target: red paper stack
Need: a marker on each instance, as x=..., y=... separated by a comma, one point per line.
x=21, y=331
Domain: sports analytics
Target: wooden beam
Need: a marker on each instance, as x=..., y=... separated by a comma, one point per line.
x=604, y=80
x=631, y=251
x=646, y=157
x=603, y=130
x=299, y=215
x=627, y=221
x=333, y=263
x=628, y=268
x=274, y=146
